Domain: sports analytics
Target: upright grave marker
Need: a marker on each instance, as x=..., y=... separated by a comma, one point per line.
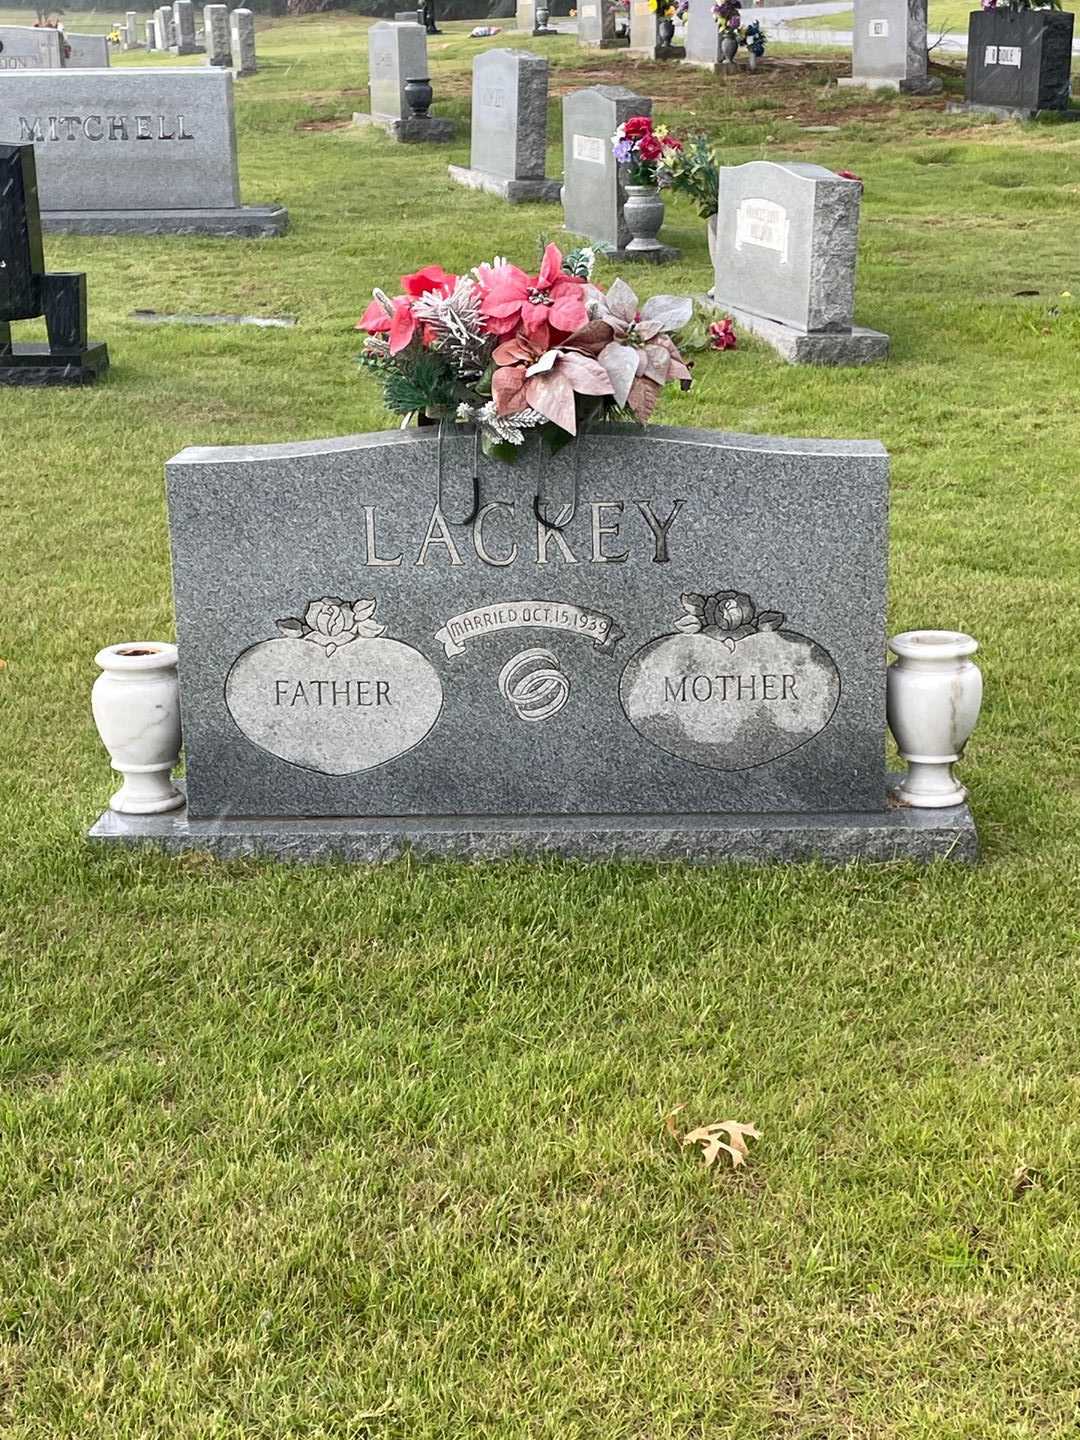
x=163, y=27
x=594, y=186
x=87, y=52
x=786, y=248
x=702, y=36
x=645, y=34
x=27, y=291
x=509, y=128
x=596, y=25
x=25, y=47
x=1019, y=63
x=150, y=34
x=397, y=54
x=216, y=31
x=184, y=28
x=135, y=151
x=888, y=48
x=242, y=42
x=691, y=666
x=131, y=31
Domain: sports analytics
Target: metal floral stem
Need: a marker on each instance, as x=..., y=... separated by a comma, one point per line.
x=475, y=511
x=554, y=524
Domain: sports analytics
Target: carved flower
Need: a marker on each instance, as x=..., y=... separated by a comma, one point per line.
x=332, y=622
x=729, y=615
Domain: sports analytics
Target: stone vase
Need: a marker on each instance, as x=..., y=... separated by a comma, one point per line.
x=665, y=32
x=933, y=696
x=751, y=60
x=643, y=211
x=729, y=47
x=136, y=706
x=418, y=97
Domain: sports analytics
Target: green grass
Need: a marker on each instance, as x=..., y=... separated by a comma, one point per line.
x=944, y=17
x=338, y=1153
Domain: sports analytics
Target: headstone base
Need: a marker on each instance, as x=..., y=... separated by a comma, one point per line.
x=931, y=85
x=894, y=833
x=620, y=42
x=515, y=192
x=38, y=365
x=1009, y=112
x=658, y=255
x=411, y=130
x=187, y=50
x=249, y=222
x=857, y=346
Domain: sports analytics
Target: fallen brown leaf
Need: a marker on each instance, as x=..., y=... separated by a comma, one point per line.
x=669, y=1122
x=1024, y=1179
x=708, y=1137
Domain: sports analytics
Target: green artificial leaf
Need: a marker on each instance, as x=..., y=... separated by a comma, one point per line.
x=499, y=449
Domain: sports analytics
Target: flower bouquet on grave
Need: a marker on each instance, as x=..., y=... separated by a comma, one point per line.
x=692, y=169
x=513, y=353
x=642, y=149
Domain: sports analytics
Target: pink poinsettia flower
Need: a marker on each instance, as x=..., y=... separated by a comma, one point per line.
x=548, y=381
x=537, y=304
x=393, y=318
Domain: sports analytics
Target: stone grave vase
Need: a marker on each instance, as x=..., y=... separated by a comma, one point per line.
x=643, y=212
x=418, y=96
x=729, y=47
x=933, y=697
x=136, y=707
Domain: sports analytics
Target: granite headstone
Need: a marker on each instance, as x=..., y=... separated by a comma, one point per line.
x=888, y=48
x=135, y=151
x=702, y=36
x=397, y=53
x=596, y=25
x=242, y=42
x=216, y=30
x=150, y=34
x=86, y=52
x=26, y=47
x=163, y=27
x=28, y=291
x=691, y=665
x=645, y=37
x=1019, y=63
x=509, y=128
x=184, y=27
x=130, y=33
x=594, y=185
x=786, y=249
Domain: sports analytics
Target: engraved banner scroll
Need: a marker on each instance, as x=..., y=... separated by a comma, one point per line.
x=529, y=614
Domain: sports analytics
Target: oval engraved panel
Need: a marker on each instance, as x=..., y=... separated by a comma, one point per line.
x=364, y=704
x=730, y=707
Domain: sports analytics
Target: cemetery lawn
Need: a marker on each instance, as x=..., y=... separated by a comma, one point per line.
x=348, y=1153
x=943, y=17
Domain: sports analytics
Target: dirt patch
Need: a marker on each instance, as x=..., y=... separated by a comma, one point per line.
x=339, y=124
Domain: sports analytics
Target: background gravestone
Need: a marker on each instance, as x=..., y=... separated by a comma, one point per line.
x=184, y=28
x=131, y=31
x=23, y=47
x=509, y=128
x=169, y=164
x=596, y=25
x=1019, y=62
x=27, y=291
x=88, y=52
x=242, y=42
x=216, y=32
x=643, y=35
x=150, y=34
x=594, y=186
x=163, y=28
x=786, y=249
x=889, y=46
x=692, y=665
x=397, y=53
x=702, y=36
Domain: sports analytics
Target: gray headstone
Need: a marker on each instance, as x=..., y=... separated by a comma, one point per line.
x=242, y=42
x=704, y=637
x=509, y=114
x=163, y=26
x=889, y=44
x=396, y=53
x=150, y=34
x=785, y=254
x=184, y=27
x=702, y=36
x=596, y=23
x=216, y=30
x=131, y=30
x=128, y=138
x=642, y=28
x=88, y=52
x=525, y=15
x=593, y=186
x=25, y=47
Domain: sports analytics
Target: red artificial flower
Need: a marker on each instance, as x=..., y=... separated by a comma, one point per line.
x=637, y=126
x=432, y=277
x=849, y=175
x=650, y=148
x=400, y=326
x=722, y=334
x=537, y=304
x=670, y=143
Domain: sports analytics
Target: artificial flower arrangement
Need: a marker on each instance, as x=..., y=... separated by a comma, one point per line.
x=512, y=352
x=692, y=169
x=642, y=149
x=1021, y=4
x=670, y=9
x=728, y=17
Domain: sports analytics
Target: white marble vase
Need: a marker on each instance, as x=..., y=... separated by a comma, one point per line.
x=136, y=705
x=933, y=696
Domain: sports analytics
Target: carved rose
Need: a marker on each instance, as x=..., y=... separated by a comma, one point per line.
x=729, y=615
x=332, y=623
